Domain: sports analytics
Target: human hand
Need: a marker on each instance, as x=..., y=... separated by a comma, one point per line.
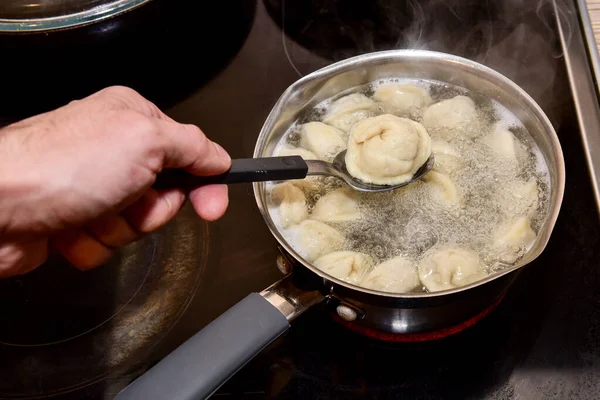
x=78, y=179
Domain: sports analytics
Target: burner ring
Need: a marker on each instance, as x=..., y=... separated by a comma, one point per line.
x=40, y=308
x=417, y=337
x=179, y=255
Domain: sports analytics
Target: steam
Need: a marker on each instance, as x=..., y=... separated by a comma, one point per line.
x=518, y=38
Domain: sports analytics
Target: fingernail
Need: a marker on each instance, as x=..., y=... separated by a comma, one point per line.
x=168, y=201
x=176, y=196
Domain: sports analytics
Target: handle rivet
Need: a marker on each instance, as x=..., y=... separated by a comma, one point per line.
x=346, y=313
x=284, y=265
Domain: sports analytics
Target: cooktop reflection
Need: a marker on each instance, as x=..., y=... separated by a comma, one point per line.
x=543, y=339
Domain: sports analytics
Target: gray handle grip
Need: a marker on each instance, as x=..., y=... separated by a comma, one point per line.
x=198, y=367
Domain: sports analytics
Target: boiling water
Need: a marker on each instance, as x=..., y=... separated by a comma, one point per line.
x=409, y=221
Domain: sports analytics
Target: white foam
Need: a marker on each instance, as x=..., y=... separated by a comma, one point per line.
x=507, y=119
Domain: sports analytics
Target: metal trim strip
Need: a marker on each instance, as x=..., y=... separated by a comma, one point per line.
x=580, y=60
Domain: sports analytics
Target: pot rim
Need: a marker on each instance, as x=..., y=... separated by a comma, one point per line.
x=84, y=17
x=391, y=55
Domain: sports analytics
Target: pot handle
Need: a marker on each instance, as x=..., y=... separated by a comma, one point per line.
x=198, y=367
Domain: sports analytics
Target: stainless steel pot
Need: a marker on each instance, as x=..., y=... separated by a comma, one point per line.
x=204, y=362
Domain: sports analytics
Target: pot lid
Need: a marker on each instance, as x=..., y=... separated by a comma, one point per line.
x=42, y=15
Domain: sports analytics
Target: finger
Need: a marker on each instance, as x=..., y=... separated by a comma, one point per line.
x=210, y=202
x=185, y=146
x=22, y=257
x=154, y=209
x=81, y=250
x=113, y=231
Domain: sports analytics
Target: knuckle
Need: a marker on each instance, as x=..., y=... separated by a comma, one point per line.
x=147, y=139
x=153, y=110
x=119, y=97
x=146, y=127
x=201, y=142
x=73, y=103
x=119, y=91
x=136, y=124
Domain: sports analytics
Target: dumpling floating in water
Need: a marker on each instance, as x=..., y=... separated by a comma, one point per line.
x=396, y=275
x=310, y=182
x=387, y=150
x=337, y=205
x=451, y=118
x=315, y=239
x=406, y=100
x=449, y=268
x=307, y=184
x=519, y=197
x=442, y=188
x=296, y=151
x=349, y=266
x=446, y=158
x=292, y=203
x=504, y=144
x=513, y=238
x=346, y=111
x=322, y=140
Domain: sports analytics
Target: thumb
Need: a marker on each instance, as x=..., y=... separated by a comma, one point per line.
x=186, y=146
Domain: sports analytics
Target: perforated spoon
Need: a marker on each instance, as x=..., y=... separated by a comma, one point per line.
x=279, y=169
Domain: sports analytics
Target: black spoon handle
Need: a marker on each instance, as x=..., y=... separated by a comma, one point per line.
x=242, y=170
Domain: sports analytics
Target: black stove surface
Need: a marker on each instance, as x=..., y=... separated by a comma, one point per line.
x=541, y=342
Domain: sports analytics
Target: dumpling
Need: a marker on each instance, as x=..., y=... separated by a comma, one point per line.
x=387, y=149
x=447, y=158
x=315, y=239
x=451, y=116
x=308, y=183
x=292, y=203
x=449, y=268
x=396, y=275
x=347, y=110
x=513, y=238
x=337, y=205
x=323, y=140
x=344, y=122
x=503, y=143
x=526, y=195
x=519, y=198
x=350, y=103
x=402, y=99
x=442, y=188
x=349, y=266
x=296, y=151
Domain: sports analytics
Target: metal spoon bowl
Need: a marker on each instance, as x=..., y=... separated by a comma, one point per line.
x=338, y=169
